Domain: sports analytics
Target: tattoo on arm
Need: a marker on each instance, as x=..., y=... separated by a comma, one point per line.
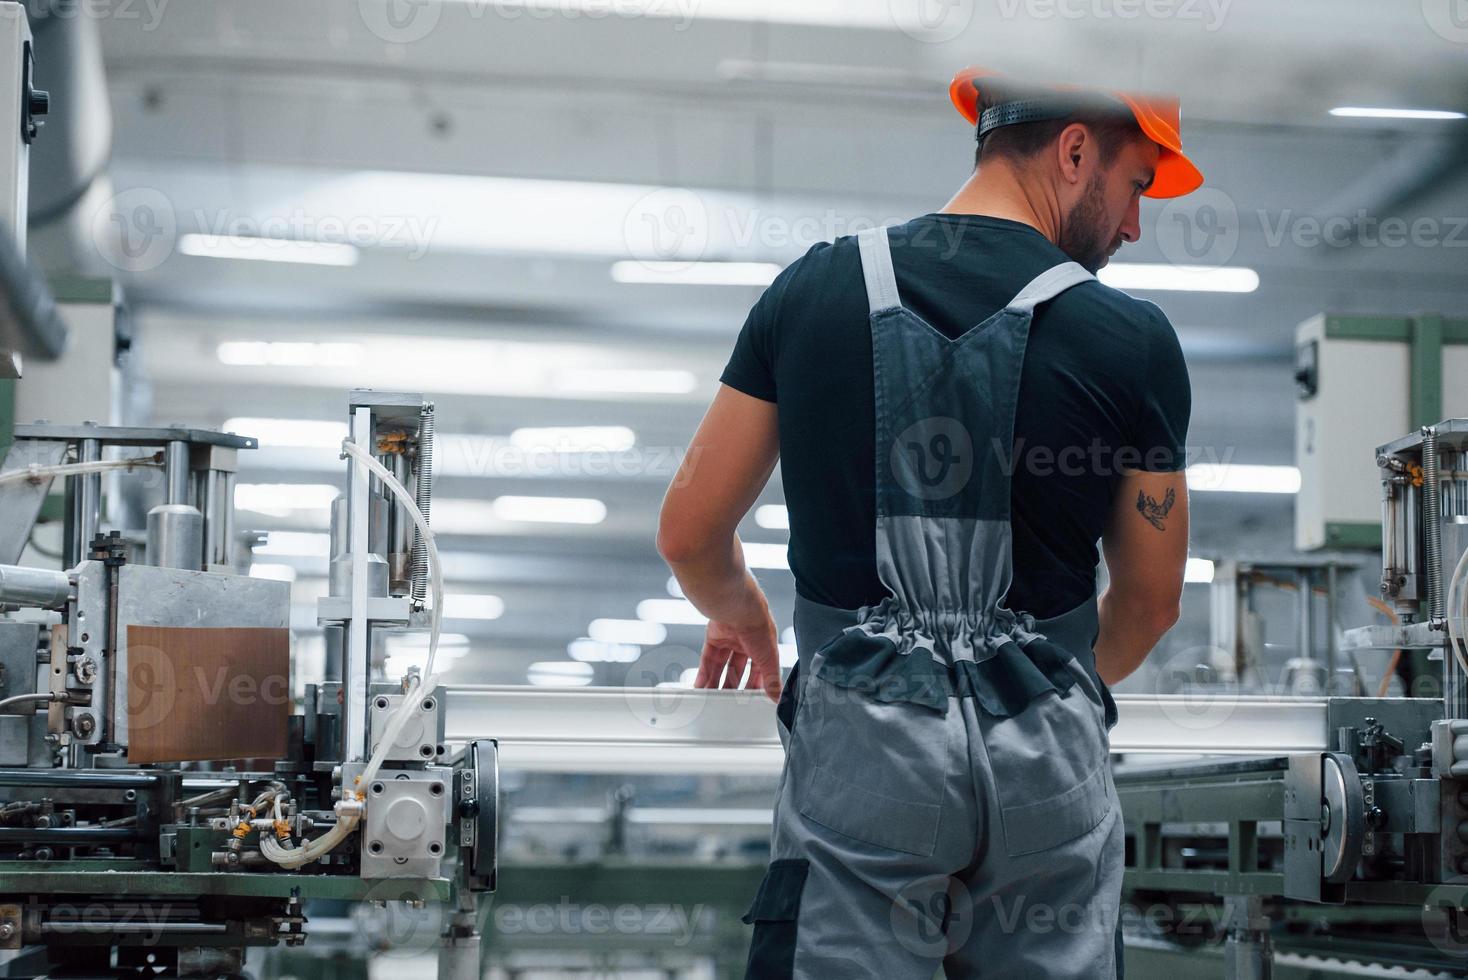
x=1155, y=513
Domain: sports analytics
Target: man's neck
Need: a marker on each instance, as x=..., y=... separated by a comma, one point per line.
x=994, y=191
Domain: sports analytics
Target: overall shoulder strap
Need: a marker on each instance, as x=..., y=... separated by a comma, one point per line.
x=876, y=269
x=1048, y=285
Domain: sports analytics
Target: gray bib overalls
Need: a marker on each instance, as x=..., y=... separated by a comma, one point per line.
x=946, y=797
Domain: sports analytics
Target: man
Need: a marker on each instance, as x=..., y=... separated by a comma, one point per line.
x=962, y=386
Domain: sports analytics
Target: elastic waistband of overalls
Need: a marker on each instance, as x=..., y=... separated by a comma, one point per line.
x=1075, y=630
x=1003, y=684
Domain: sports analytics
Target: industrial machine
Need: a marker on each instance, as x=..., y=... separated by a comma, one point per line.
x=1361, y=381
x=163, y=806
x=29, y=326
x=1347, y=847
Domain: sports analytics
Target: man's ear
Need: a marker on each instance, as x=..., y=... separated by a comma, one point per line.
x=1073, y=146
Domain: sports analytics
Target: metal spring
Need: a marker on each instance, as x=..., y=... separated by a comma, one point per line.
x=1432, y=522
x=423, y=494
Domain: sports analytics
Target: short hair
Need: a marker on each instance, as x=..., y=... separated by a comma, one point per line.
x=1111, y=122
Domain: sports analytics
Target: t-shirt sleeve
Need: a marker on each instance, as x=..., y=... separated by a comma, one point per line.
x=751, y=368
x=1160, y=431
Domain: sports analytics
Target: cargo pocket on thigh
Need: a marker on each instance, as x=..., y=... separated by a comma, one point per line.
x=1047, y=748
x=775, y=915
x=874, y=742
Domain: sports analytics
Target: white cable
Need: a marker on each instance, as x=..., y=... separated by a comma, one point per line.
x=1455, y=627
x=429, y=680
x=349, y=809
x=35, y=472
x=295, y=857
x=1455, y=638
x=282, y=853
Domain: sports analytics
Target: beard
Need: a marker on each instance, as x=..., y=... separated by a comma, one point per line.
x=1083, y=237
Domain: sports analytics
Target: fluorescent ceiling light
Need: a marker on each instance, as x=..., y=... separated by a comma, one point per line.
x=1198, y=570
x=559, y=673
x=1363, y=112
x=766, y=555
x=290, y=433
x=398, y=665
x=674, y=589
x=787, y=635
x=283, y=499
x=674, y=612
x=296, y=544
x=410, y=650
x=466, y=606
x=788, y=654
x=260, y=353
x=1184, y=278
x=828, y=13
x=453, y=515
x=582, y=370
x=624, y=381
x=449, y=644
x=268, y=249
x=627, y=631
x=1242, y=478
x=276, y=573
x=575, y=439
x=550, y=510
x=772, y=516
x=696, y=273
x=589, y=651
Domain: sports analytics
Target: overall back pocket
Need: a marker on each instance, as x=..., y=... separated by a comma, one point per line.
x=1049, y=765
x=872, y=748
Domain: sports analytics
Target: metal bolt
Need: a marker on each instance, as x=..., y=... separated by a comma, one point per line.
x=85, y=725
x=86, y=670
x=7, y=930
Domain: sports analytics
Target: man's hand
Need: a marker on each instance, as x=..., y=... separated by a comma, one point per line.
x=731, y=646
x=728, y=462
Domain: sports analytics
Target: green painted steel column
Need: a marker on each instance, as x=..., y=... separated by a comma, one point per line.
x=1426, y=397
x=7, y=415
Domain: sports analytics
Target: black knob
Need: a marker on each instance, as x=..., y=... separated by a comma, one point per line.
x=40, y=102
x=468, y=808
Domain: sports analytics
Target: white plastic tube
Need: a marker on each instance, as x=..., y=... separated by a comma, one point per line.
x=296, y=857
x=435, y=616
x=34, y=472
x=1455, y=623
x=349, y=810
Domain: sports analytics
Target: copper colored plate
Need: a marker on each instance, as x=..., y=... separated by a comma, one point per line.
x=207, y=693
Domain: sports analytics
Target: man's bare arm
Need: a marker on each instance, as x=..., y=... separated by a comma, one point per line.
x=728, y=463
x=1146, y=549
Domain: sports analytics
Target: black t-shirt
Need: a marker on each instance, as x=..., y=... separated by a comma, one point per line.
x=1104, y=388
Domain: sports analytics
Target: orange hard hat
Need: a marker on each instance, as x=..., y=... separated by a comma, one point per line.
x=1160, y=118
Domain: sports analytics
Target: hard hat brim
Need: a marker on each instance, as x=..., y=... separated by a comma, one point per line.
x=1175, y=176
